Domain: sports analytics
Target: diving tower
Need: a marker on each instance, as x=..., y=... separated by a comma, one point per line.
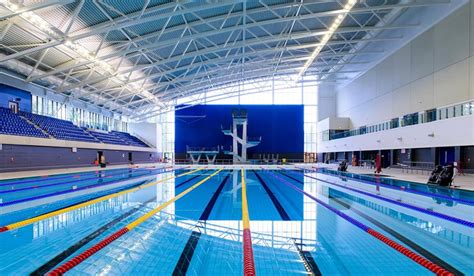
x=240, y=120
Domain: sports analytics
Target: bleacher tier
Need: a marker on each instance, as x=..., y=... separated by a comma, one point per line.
x=108, y=138
x=12, y=124
x=59, y=129
x=130, y=139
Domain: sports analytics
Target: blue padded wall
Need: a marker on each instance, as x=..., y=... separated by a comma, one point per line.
x=281, y=128
x=8, y=93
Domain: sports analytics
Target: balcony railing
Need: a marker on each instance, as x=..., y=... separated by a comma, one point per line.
x=431, y=115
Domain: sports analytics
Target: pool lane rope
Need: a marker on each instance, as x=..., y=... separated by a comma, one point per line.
x=87, y=203
x=438, y=270
x=249, y=264
x=69, y=191
x=399, y=203
x=94, y=249
x=388, y=186
x=138, y=171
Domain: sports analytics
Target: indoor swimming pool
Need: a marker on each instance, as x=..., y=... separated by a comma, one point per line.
x=183, y=220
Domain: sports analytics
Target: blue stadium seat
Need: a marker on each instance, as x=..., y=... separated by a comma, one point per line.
x=14, y=124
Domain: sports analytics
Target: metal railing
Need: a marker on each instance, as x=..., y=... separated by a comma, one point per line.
x=231, y=162
x=435, y=114
x=415, y=166
x=188, y=148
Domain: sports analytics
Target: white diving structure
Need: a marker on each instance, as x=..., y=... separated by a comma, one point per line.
x=240, y=119
x=196, y=153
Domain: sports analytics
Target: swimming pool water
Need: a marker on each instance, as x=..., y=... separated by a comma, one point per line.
x=201, y=233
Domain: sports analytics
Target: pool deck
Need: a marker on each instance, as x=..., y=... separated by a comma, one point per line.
x=465, y=182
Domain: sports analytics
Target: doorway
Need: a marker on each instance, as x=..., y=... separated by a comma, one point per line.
x=13, y=106
x=100, y=154
x=130, y=157
x=446, y=156
x=386, y=158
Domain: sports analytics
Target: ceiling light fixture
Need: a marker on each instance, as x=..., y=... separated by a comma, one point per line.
x=334, y=26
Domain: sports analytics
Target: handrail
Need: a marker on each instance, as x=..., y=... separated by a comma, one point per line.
x=230, y=161
x=421, y=117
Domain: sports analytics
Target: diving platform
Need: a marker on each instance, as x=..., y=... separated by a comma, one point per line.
x=240, y=122
x=195, y=153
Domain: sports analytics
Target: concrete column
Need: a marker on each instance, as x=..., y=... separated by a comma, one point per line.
x=391, y=157
x=457, y=154
x=433, y=156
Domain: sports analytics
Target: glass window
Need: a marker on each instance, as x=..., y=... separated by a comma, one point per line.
x=288, y=96
x=257, y=98
x=310, y=94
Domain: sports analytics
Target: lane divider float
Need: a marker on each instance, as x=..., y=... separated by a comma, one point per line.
x=249, y=263
x=438, y=270
x=388, y=186
x=33, y=179
x=74, y=190
x=94, y=249
x=78, y=179
x=87, y=203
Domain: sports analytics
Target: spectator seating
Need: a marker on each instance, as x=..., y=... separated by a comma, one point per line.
x=130, y=139
x=59, y=129
x=108, y=138
x=12, y=124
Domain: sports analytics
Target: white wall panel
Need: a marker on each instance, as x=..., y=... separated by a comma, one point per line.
x=369, y=86
x=384, y=77
x=472, y=28
x=147, y=131
x=422, y=94
x=451, y=132
x=401, y=99
x=431, y=71
x=451, y=85
x=402, y=66
x=471, y=86
x=451, y=39
x=422, y=55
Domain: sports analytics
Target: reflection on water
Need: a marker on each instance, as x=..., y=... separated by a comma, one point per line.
x=334, y=243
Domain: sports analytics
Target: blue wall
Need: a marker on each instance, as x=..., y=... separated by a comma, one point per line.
x=8, y=93
x=281, y=127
